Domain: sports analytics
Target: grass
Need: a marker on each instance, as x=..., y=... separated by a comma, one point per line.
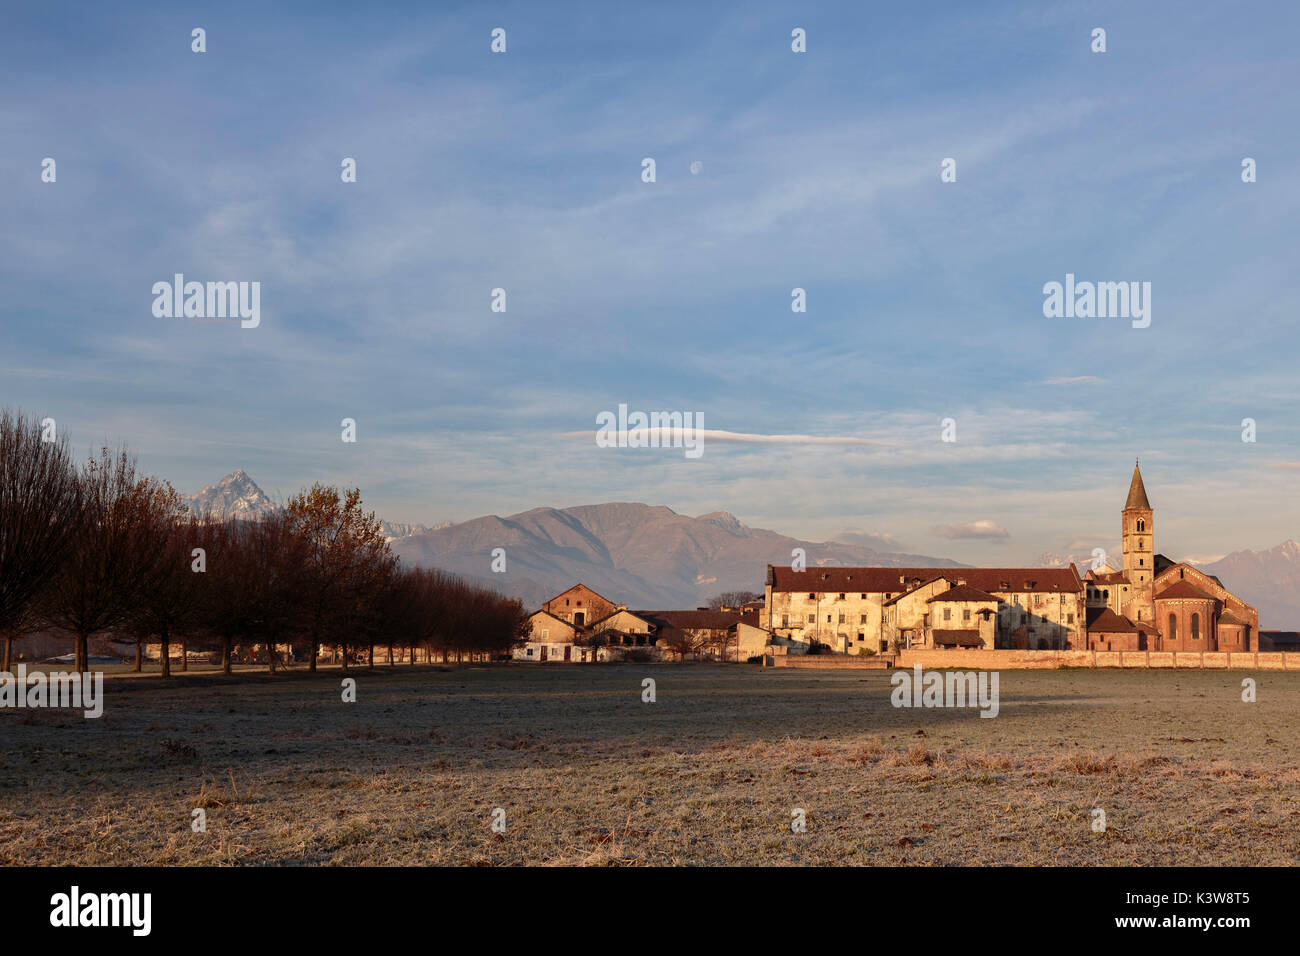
x=708, y=774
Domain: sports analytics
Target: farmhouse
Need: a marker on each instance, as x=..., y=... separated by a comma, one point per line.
x=564, y=631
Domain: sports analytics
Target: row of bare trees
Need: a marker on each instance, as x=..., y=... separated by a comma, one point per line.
x=99, y=549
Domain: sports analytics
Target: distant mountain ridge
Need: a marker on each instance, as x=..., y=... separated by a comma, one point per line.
x=1270, y=580
x=638, y=554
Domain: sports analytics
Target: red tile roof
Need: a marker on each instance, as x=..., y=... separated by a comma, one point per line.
x=1183, y=589
x=891, y=580
x=1117, y=577
x=957, y=638
x=963, y=593
x=692, y=620
x=1108, y=622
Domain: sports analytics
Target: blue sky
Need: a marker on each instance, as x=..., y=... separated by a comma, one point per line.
x=818, y=170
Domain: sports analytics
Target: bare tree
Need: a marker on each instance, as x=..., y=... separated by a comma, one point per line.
x=169, y=606
x=732, y=599
x=115, y=554
x=40, y=503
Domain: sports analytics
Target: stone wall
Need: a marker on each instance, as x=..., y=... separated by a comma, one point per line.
x=1012, y=660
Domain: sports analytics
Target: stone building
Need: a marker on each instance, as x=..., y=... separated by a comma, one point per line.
x=580, y=606
x=571, y=628
x=853, y=610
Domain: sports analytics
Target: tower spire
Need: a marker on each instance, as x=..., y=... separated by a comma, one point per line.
x=1137, y=493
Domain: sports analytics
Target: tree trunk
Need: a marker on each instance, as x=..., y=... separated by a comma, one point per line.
x=9, y=652
x=270, y=657
x=139, y=653
x=315, y=650
x=226, y=648
x=82, y=657
x=165, y=654
x=343, y=655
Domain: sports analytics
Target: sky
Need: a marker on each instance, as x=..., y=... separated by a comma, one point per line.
x=775, y=170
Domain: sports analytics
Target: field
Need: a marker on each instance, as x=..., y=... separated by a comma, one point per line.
x=709, y=773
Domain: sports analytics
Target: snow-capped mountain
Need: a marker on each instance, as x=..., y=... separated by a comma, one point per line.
x=1270, y=580
x=238, y=496
x=234, y=496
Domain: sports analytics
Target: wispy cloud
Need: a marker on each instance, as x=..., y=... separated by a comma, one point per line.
x=1072, y=380
x=974, y=529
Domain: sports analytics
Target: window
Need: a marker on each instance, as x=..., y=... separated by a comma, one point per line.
x=863, y=596
x=546, y=633
x=812, y=597
x=842, y=616
x=828, y=618
x=1196, y=627
x=529, y=652
x=862, y=619
x=1173, y=627
x=965, y=614
x=785, y=620
x=861, y=637
x=841, y=597
x=1069, y=619
x=812, y=618
x=1024, y=617
x=947, y=614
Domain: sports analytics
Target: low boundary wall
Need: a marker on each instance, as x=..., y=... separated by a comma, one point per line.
x=1011, y=660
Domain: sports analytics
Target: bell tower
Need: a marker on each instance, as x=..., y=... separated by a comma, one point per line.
x=1138, y=542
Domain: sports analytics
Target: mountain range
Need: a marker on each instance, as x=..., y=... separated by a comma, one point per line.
x=635, y=554
x=651, y=556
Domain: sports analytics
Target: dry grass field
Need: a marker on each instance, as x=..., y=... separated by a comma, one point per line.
x=708, y=774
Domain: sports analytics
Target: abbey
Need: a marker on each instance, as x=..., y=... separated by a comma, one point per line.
x=1150, y=603
x=1157, y=604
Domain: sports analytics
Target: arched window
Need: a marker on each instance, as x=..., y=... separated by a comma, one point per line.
x=1196, y=627
x=1142, y=525
x=1173, y=627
